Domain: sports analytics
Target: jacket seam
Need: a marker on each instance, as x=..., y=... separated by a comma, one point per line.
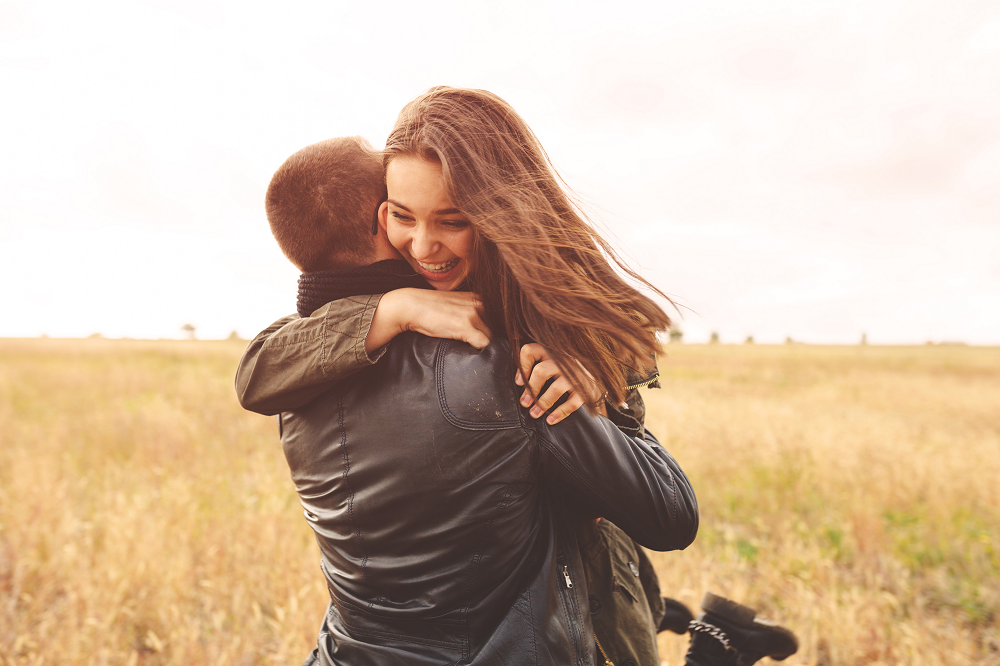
x=360, y=355
x=531, y=627
x=530, y=464
x=674, y=505
x=478, y=558
x=500, y=507
x=289, y=339
x=382, y=618
x=323, y=343
x=347, y=482
x=443, y=399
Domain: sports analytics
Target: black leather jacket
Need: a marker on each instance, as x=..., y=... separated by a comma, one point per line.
x=437, y=504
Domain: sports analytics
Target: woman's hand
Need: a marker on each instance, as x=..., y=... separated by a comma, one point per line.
x=538, y=367
x=438, y=314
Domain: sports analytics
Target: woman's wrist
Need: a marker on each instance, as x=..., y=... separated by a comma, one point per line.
x=601, y=407
x=388, y=320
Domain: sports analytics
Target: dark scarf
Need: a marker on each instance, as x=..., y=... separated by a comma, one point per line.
x=318, y=289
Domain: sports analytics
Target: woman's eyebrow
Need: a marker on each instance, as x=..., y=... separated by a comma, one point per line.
x=441, y=211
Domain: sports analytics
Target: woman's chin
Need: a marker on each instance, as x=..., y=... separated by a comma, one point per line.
x=449, y=285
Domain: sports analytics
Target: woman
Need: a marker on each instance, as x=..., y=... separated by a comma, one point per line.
x=474, y=201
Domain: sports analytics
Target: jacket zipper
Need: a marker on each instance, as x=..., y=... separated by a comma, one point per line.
x=607, y=659
x=645, y=382
x=566, y=596
x=565, y=573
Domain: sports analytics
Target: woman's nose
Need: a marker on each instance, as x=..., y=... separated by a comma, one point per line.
x=423, y=244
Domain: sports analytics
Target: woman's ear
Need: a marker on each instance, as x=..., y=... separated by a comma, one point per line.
x=384, y=249
x=383, y=215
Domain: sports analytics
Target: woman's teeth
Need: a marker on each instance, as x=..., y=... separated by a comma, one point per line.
x=440, y=268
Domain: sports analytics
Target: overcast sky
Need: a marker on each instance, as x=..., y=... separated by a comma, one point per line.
x=816, y=170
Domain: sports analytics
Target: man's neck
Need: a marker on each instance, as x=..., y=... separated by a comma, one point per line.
x=318, y=289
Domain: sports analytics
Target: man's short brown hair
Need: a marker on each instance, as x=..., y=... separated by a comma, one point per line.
x=321, y=202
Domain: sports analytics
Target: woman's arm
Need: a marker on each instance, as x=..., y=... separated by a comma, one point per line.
x=295, y=359
x=437, y=314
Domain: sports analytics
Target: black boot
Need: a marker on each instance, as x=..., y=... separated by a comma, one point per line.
x=728, y=634
x=676, y=617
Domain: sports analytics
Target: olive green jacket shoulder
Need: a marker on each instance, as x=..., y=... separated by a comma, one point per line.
x=296, y=358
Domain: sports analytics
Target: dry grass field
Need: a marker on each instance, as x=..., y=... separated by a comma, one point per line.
x=853, y=493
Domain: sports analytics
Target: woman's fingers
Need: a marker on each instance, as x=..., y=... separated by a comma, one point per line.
x=444, y=314
x=480, y=334
x=539, y=368
x=530, y=354
x=474, y=331
x=538, y=375
x=536, y=364
x=574, y=403
x=463, y=313
x=558, y=389
x=547, y=393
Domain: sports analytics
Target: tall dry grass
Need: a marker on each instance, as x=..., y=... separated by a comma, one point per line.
x=144, y=517
x=851, y=493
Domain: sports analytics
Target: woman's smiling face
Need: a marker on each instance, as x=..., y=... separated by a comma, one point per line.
x=431, y=234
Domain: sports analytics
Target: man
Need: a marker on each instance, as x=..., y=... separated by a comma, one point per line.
x=400, y=469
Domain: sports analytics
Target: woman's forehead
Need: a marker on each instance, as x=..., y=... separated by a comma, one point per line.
x=417, y=184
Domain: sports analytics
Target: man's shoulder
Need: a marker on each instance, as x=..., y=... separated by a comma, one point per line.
x=475, y=387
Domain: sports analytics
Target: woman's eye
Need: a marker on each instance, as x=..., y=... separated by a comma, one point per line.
x=455, y=224
x=400, y=217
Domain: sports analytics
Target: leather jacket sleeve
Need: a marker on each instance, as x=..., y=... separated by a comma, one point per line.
x=631, y=481
x=296, y=358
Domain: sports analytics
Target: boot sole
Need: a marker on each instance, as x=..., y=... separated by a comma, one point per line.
x=730, y=610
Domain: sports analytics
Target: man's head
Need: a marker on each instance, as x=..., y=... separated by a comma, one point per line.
x=321, y=201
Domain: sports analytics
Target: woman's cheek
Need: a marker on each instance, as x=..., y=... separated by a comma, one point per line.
x=396, y=237
x=464, y=245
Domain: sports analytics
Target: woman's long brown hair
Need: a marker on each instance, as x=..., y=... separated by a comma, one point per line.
x=542, y=272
